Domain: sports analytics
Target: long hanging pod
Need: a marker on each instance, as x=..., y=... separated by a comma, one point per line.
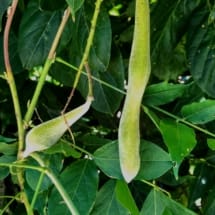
x=138, y=75
x=48, y=133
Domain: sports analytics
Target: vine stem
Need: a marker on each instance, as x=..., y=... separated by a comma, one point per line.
x=51, y=175
x=48, y=63
x=156, y=187
x=89, y=42
x=60, y=60
x=10, y=77
x=14, y=94
x=84, y=59
x=178, y=119
x=57, y=184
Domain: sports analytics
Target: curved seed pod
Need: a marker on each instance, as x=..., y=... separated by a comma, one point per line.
x=48, y=133
x=138, y=75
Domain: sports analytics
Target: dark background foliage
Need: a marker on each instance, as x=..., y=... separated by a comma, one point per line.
x=177, y=119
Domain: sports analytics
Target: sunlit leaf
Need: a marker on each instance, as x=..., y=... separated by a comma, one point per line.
x=8, y=149
x=158, y=203
x=33, y=176
x=106, y=201
x=154, y=161
x=199, y=112
x=64, y=148
x=180, y=140
x=4, y=171
x=74, y=5
x=125, y=197
x=211, y=143
x=162, y=93
x=80, y=180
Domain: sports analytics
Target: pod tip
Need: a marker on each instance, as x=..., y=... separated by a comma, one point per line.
x=129, y=174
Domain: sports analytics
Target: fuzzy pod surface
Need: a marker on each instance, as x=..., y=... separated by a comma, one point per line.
x=138, y=76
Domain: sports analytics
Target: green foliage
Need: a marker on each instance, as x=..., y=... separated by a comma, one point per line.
x=158, y=203
x=81, y=172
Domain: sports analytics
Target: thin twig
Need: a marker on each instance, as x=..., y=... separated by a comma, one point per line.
x=10, y=77
x=90, y=82
x=69, y=203
x=48, y=63
x=60, y=60
x=86, y=51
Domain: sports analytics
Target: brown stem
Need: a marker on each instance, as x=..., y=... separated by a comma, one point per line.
x=12, y=85
x=10, y=13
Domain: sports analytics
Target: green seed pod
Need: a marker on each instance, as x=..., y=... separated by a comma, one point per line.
x=48, y=133
x=138, y=75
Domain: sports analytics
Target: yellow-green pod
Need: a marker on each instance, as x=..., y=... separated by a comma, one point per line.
x=138, y=75
x=45, y=135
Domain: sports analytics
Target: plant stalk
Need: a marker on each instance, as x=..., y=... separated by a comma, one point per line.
x=14, y=94
x=58, y=185
x=86, y=52
x=48, y=63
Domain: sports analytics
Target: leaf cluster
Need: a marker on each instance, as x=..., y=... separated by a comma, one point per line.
x=177, y=113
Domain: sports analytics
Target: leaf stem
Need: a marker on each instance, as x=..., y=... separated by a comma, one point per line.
x=48, y=63
x=86, y=51
x=183, y=121
x=58, y=185
x=10, y=77
x=37, y=189
x=13, y=198
x=14, y=94
x=156, y=187
x=62, y=192
x=89, y=42
x=60, y=60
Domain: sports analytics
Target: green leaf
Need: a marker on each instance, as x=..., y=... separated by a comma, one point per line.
x=101, y=48
x=168, y=55
x=74, y=5
x=8, y=149
x=167, y=212
x=4, y=171
x=107, y=159
x=36, y=33
x=3, y=7
x=108, y=100
x=199, y=112
x=106, y=201
x=65, y=148
x=211, y=143
x=6, y=139
x=162, y=93
x=32, y=176
x=154, y=118
x=200, y=49
x=154, y=161
x=14, y=56
x=180, y=140
x=125, y=197
x=80, y=180
x=102, y=67
x=158, y=203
